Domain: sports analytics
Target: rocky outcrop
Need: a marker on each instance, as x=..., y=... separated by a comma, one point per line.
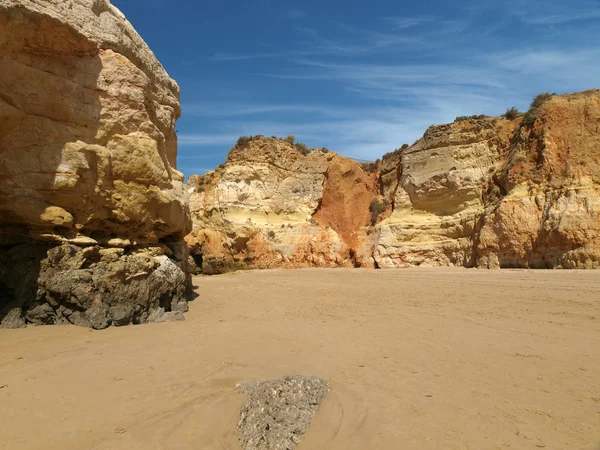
x=480, y=192
x=92, y=208
x=434, y=191
x=276, y=413
x=548, y=213
x=493, y=192
x=273, y=205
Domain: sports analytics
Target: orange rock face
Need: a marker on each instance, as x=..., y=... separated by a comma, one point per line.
x=492, y=192
x=482, y=192
x=270, y=206
x=347, y=194
x=550, y=215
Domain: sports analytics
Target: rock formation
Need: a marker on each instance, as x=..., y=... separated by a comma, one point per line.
x=277, y=412
x=480, y=192
x=273, y=205
x=493, y=192
x=92, y=208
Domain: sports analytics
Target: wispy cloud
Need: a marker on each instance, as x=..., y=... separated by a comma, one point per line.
x=556, y=12
x=394, y=78
x=401, y=23
x=242, y=56
x=295, y=14
x=219, y=109
x=556, y=19
x=383, y=85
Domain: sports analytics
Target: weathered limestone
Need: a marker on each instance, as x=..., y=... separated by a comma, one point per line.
x=277, y=412
x=483, y=192
x=550, y=215
x=434, y=191
x=270, y=206
x=497, y=193
x=92, y=208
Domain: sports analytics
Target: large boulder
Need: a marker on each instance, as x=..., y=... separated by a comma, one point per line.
x=92, y=207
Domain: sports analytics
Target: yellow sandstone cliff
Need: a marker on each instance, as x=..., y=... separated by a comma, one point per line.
x=480, y=192
x=271, y=205
x=92, y=207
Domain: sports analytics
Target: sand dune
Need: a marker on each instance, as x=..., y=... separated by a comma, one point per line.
x=415, y=359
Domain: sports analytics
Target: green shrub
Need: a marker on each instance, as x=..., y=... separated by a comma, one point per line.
x=511, y=113
x=290, y=139
x=302, y=148
x=529, y=118
x=271, y=234
x=475, y=117
x=540, y=99
x=531, y=115
x=377, y=208
x=243, y=141
x=370, y=167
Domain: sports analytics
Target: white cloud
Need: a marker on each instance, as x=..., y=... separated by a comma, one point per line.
x=225, y=57
x=401, y=23
x=393, y=83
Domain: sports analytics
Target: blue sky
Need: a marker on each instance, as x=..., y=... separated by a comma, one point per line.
x=360, y=78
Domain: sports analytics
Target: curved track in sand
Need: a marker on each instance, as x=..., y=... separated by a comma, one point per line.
x=415, y=359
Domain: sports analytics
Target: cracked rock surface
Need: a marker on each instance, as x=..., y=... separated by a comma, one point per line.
x=92, y=206
x=277, y=412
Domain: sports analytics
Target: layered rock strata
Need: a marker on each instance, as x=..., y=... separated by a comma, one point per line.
x=272, y=205
x=493, y=192
x=92, y=208
x=480, y=192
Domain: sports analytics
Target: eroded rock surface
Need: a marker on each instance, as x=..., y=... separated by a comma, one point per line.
x=92, y=208
x=482, y=192
x=496, y=193
x=434, y=191
x=276, y=413
x=270, y=205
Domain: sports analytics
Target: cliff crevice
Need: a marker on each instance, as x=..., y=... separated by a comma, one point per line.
x=480, y=192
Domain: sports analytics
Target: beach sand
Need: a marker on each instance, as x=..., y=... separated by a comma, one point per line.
x=415, y=359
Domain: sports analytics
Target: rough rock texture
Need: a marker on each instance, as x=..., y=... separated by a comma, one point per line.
x=550, y=213
x=483, y=192
x=434, y=192
x=277, y=412
x=92, y=208
x=494, y=192
x=270, y=206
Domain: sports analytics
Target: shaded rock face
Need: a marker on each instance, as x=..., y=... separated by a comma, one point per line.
x=92, y=208
x=497, y=193
x=483, y=192
x=276, y=413
x=271, y=206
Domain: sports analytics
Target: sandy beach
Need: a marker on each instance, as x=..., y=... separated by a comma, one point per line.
x=415, y=359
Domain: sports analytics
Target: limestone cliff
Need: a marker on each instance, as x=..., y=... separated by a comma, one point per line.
x=434, y=190
x=493, y=192
x=92, y=208
x=548, y=213
x=480, y=192
x=273, y=205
